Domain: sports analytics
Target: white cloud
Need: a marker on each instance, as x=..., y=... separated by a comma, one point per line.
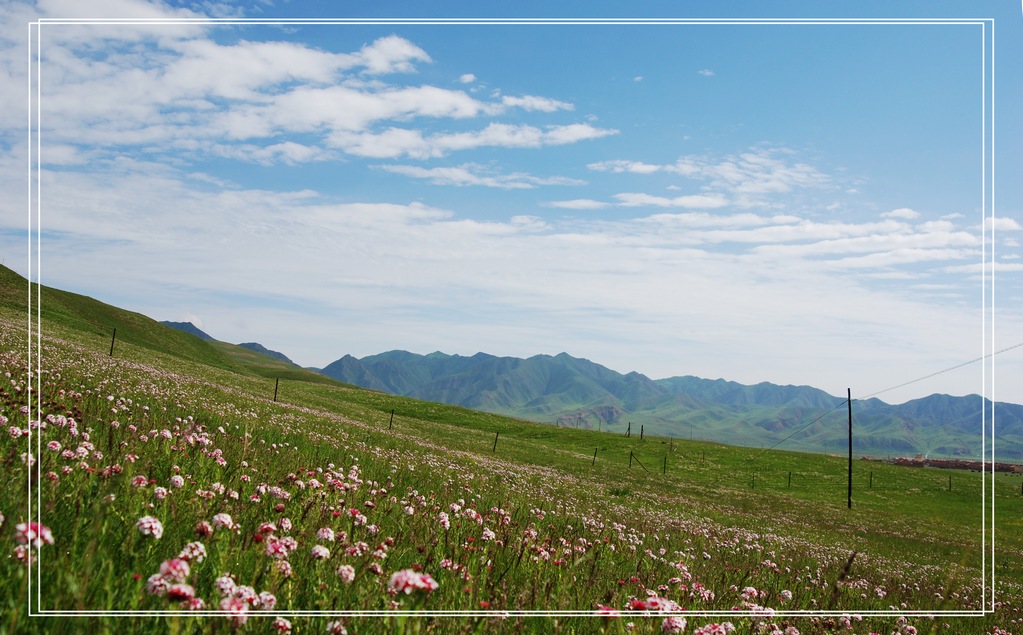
x=1001, y=223
x=184, y=91
x=397, y=142
x=530, y=102
x=692, y=201
x=746, y=179
x=467, y=78
x=391, y=54
x=288, y=152
x=571, y=133
x=903, y=213
x=620, y=166
x=473, y=174
x=579, y=203
x=706, y=72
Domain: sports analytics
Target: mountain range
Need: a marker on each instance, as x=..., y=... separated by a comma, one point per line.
x=568, y=391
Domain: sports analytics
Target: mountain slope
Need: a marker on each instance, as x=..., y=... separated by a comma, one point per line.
x=188, y=327
x=565, y=390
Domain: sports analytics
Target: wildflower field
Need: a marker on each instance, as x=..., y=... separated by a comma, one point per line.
x=162, y=490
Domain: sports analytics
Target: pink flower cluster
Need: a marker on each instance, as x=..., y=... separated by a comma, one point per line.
x=150, y=526
x=406, y=581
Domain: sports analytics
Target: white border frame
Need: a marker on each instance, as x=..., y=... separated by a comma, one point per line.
x=35, y=29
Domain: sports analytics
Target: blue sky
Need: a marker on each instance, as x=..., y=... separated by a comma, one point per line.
x=799, y=204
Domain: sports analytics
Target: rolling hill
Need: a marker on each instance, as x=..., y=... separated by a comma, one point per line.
x=567, y=391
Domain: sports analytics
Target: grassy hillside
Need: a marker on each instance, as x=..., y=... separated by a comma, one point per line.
x=95, y=323
x=522, y=527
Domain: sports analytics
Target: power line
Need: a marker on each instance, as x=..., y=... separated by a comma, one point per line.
x=801, y=428
x=957, y=366
x=844, y=401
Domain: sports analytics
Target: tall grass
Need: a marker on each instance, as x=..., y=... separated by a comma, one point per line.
x=318, y=513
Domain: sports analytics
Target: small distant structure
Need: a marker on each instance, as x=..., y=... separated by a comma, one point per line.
x=921, y=460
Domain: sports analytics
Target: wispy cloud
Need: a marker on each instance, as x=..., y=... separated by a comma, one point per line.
x=474, y=174
x=579, y=203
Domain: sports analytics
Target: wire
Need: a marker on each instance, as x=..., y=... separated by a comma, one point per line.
x=800, y=429
x=957, y=366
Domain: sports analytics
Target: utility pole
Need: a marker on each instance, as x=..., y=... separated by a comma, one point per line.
x=849, y=395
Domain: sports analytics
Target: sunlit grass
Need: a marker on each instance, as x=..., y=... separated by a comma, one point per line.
x=505, y=515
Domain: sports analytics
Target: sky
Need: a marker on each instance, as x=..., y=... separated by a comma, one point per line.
x=826, y=204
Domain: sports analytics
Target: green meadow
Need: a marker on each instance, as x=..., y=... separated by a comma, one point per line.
x=170, y=492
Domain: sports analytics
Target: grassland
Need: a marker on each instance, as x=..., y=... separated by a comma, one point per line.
x=328, y=506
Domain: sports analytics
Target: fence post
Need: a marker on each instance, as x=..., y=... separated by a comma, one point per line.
x=496, y=436
x=630, y=459
x=665, y=464
x=641, y=426
x=391, y=423
x=790, y=479
x=628, y=432
x=594, y=461
x=277, y=382
x=112, y=338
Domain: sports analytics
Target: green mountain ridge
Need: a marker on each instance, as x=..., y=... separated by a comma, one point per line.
x=569, y=391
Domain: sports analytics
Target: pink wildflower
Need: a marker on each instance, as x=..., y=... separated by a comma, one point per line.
x=406, y=581
x=320, y=552
x=157, y=585
x=607, y=611
x=237, y=608
x=283, y=567
x=276, y=549
x=326, y=534
x=267, y=601
x=34, y=534
x=282, y=625
x=336, y=628
x=150, y=526
x=223, y=520
x=181, y=592
x=194, y=604
x=193, y=552
x=225, y=584
x=174, y=570
x=673, y=624
x=347, y=573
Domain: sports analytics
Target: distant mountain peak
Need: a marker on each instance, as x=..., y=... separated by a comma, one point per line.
x=188, y=327
x=259, y=348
